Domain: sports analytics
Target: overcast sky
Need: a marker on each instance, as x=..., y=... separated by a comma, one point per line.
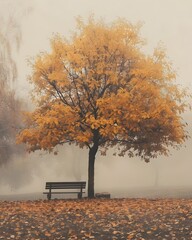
x=167, y=21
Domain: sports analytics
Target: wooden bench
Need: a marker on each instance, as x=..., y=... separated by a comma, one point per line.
x=77, y=186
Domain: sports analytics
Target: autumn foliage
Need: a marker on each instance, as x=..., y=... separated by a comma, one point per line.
x=96, y=219
x=99, y=90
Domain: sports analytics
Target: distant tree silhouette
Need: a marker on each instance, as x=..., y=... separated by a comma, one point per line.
x=10, y=106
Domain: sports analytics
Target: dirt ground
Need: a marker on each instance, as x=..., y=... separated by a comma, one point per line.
x=100, y=219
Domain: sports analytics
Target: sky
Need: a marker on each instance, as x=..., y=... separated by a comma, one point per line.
x=165, y=21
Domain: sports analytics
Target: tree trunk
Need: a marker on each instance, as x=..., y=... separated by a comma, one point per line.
x=92, y=154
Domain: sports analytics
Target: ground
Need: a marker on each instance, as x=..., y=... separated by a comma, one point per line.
x=100, y=219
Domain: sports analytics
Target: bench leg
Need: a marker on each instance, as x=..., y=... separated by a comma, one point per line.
x=79, y=195
x=49, y=196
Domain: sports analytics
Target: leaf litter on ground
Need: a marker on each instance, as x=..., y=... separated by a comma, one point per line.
x=96, y=219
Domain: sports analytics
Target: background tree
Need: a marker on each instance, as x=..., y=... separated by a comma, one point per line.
x=10, y=106
x=99, y=90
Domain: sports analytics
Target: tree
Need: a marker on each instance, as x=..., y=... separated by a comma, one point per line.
x=9, y=122
x=10, y=106
x=99, y=90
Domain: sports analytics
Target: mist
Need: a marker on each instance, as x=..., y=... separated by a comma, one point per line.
x=120, y=176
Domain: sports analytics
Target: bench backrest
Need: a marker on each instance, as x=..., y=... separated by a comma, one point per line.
x=65, y=185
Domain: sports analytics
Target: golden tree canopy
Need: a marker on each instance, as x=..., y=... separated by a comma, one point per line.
x=99, y=87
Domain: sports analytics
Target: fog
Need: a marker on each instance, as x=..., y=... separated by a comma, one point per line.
x=169, y=21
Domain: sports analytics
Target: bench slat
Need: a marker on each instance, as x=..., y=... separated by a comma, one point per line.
x=64, y=187
x=67, y=182
x=60, y=192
